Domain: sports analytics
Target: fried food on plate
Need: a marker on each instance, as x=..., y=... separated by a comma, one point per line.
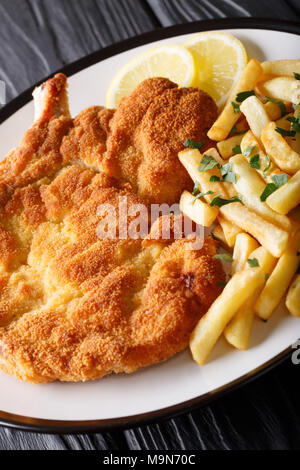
x=278, y=282
x=238, y=331
x=244, y=245
x=279, y=150
x=236, y=292
x=148, y=130
x=75, y=306
x=228, y=117
x=281, y=67
x=256, y=114
x=255, y=190
x=287, y=196
x=293, y=297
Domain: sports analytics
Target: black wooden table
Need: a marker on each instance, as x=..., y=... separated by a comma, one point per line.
x=38, y=37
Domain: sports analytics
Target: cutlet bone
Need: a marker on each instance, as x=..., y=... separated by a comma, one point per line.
x=51, y=99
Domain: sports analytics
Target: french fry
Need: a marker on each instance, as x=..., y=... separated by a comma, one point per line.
x=230, y=231
x=221, y=128
x=293, y=297
x=213, y=152
x=226, y=146
x=190, y=159
x=266, y=261
x=273, y=110
x=278, y=282
x=219, y=234
x=198, y=211
x=279, y=150
x=244, y=245
x=283, y=122
x=239, y=288
x=267, y=168
x=287, y=196
x=274, y=239
x=256, y=115
x=281, y=67
x=283, y=88
x=238, y=331
x=250, y=185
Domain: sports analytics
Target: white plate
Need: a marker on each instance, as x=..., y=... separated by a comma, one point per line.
x=109, y=400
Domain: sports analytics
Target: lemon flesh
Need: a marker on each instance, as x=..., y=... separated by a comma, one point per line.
x=169, y=61
x=220, y=59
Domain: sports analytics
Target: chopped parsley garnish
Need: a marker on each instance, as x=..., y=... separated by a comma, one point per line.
x=295, y=106
x=222, y=283
x=265, y=170
x=192, y=144
x=196, y=189
x=214, y=178
x=219, y=201
x=295, y=123
x=248, y=151
x=298, y=269
x=208, y=163
x=236, y=107
x=233, y=131
x=224, y=257
x=284, y=132
x=267, y=275
x=279, y=180
x=243, y=95
x=226, y=168
x=297, y=75
x=269, y=189
x=230, y=177
x=227, y=174
x=280, y=104
x=237, y=149
x=201, y=195
x=253, y=263
x=255, y=162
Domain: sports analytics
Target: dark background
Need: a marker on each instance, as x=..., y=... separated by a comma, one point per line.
x=38, y=37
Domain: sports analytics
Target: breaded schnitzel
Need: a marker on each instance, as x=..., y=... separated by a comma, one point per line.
x=148, y=130
x=72, y=306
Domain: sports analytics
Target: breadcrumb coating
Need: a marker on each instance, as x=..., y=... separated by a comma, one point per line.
x=74, y=307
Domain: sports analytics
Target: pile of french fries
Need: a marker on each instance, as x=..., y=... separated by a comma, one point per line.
x=247, y=189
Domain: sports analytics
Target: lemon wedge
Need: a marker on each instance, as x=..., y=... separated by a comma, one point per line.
x=169, y=61
x=219, y=58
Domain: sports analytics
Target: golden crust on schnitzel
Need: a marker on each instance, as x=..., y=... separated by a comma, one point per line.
x=148, y=130
x=74, y=306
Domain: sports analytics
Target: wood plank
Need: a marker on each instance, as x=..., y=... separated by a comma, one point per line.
x=38, y=37
x=171, y=12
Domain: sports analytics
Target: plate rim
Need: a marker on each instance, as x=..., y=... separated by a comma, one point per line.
x=48, y=426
